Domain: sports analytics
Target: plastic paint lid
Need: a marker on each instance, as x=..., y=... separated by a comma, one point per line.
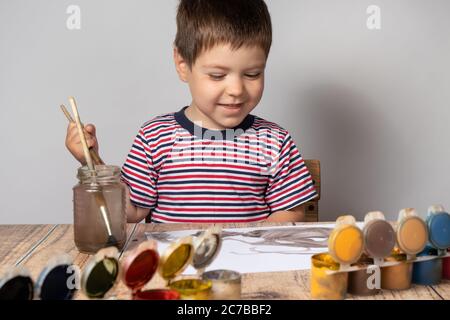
x=379, y=238
x=439, y=229
x=412, y=235
x=345, y=243
x=207, y=246
x=54, y=282
x=16, y=285
x=101, y=273
x=176, y=258
x=140, y=266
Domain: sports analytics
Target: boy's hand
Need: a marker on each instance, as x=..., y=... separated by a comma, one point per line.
x=73, y=142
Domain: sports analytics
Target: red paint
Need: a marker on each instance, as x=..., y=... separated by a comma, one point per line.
x=158, y=294
x=446, y=268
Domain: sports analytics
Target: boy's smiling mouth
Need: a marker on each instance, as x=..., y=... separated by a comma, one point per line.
x=234, y=106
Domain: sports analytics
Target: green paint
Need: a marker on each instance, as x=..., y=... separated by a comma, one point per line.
x=102, y=278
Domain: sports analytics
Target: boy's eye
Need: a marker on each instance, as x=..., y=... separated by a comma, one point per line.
x=253, y=75
x=217, y=76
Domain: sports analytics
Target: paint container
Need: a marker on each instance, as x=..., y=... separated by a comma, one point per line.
x=446, y=267
x=192, y=288
x=226, y=284
x=412, y=236
x=361, y=282
x=439, y=226
x=428, y=272
x=397, y=277
x=16, y=284
x=175, y=259
x=326, y=286
x=379, y=240
x=57, y=280
x=345, y=243
x=205, y=249
x=138, y=269
x=412, y=232
x=101, y=273
x=345, y=246
x=379, y=236
x=438, y=222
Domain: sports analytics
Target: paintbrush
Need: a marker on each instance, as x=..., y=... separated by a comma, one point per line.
x=99, y=197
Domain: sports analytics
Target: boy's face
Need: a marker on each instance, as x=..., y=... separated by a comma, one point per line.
x=225, y=84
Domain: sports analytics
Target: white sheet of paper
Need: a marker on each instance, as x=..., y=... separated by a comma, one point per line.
x=260, y=249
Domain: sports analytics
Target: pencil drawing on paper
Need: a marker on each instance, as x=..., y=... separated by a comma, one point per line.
x=302, y=239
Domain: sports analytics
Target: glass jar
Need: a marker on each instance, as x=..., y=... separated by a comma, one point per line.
x=90, y=223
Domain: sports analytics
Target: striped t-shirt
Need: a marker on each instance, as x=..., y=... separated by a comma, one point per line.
x=185, y=173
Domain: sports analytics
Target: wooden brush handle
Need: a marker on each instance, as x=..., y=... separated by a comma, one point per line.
x=81, y=133
x=95, y=157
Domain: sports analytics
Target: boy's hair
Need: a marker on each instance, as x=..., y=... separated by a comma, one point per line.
x=202, y=24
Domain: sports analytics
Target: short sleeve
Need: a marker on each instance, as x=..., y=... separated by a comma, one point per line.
x=139, y=174
x=290, y=183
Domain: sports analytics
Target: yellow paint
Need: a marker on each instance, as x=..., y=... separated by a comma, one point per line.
x=176, y=261
x=346, y=244
x=324, y=286
x=192, y=289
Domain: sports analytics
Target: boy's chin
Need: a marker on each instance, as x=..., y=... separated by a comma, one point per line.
x=229, y=123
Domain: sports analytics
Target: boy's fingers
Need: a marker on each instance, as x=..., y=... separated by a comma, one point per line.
x=73, y=135
x=90, y=128
x=91, y=142
x=71, y=132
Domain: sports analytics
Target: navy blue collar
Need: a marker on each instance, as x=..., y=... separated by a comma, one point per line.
x=210, y=134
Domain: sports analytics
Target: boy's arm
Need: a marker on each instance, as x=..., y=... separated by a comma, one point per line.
x=134, y=214
x=296, y=214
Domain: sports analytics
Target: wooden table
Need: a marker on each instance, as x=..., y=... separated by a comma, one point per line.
x=33, y=245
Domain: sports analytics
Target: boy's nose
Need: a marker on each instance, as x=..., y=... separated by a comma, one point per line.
x=235, y=87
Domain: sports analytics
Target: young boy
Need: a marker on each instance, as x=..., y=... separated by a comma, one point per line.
x=213, y=161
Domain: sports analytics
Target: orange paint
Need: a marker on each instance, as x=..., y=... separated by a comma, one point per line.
x=397, y=277
x=412, y=235
x=346, y=244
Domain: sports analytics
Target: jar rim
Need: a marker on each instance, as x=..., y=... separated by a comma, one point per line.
x=103, y=171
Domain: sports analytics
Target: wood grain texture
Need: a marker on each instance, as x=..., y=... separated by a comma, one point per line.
x=443, y=289
x=16, y=241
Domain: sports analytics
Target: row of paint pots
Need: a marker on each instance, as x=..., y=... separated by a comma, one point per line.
x=103, y=271
x=140, y=266
x=361, y=261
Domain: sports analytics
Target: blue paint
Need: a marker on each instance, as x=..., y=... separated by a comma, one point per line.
x=429, y=272
x=439, y=229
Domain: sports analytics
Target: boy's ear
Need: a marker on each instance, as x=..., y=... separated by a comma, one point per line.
x=181, y=65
